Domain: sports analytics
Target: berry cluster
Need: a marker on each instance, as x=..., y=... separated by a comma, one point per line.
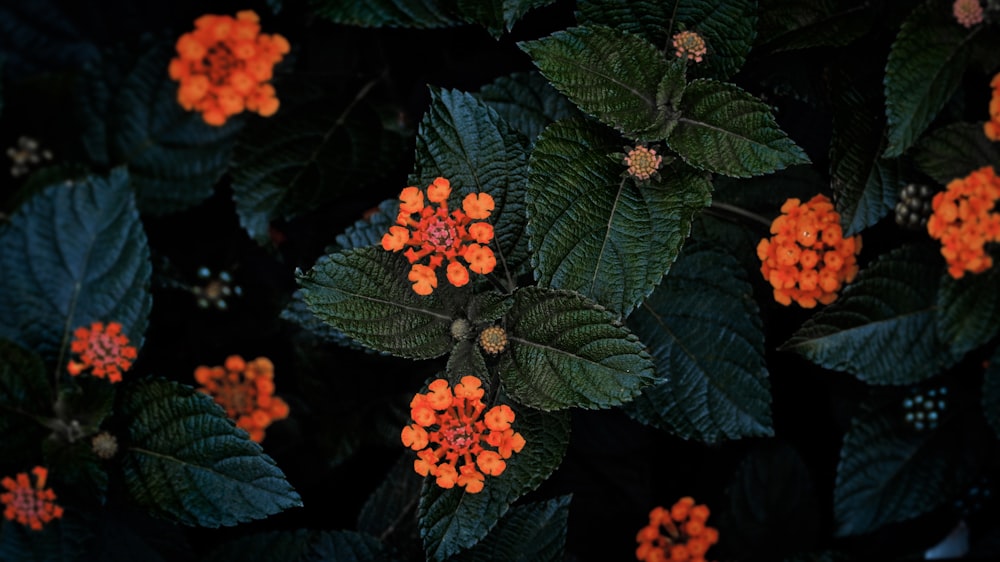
x=914, y=206
x=924, y=409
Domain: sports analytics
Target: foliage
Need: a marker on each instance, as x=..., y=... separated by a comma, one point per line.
x=627, y=326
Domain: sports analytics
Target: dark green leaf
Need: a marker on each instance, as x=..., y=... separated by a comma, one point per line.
x=364, y=294
x=610, y=74
x=79, y=469
x=72, y=255
x=567, y=351
x=392, y=507
x=369, y=231
x=37, y=37
x=307, y=156
x=297, y=312
x=466, y=359
x=955, y=150
x=991, y=392
x=968, y=310
x=803, y=24
x=19, y=543
x=888, y=473
x=527, y=102
x=419, y=14
x=349, y=546
x=497, y=16
x=704, y=331
x=596, y=232
x=925, y=68
x=534, y=532
x=725, y=130
x=726, y=27
x=300, y=545
x=185, y=461
x=882, y=327
x=24, y=393
x=452, y=520
x=465, y=141
x=129, y=113
x=489, y=306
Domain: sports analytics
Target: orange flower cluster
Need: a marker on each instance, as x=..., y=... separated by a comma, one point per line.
x=246, y=391
x=105, y=350
x=689, y=44
x=30, y=505
x=687, y=538
x=437, y=234
x=808, y=259
x=992, y=127
x=964, y=220
x=967, y=12
x=462, y=431
x=224, y=66
x=642, y=163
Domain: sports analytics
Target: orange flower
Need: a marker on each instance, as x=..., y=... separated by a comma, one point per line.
x=807, y=259
x=678, y=535
x=246, y=391
x=450, y=426
x=967, y=12
x=223, y=67
x=964, y=220
x=689, y=44
x=643, y=163
x=104, y=350
x=30, y=505
x=438, y=235
x=992, y=127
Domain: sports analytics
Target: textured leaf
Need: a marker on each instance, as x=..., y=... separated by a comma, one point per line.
x=24, y=392
x=534, y=531
x=464, y=140
x=38, y=37
x=497, y=16
x=369, y=231
x=882, y=327
x=991, y=393
x=301, y=545
x=925, y=67
x=364, y=294
x=350, y=546
x=864, y=185
x=610, y=74
x=955, y=150
x=726, y=27
x=567, y=351
x=78, y=467
x=72, y=255
x=888, y=474
x=185, y=461
x=419, y=14
x=129, y=114
x=466, y=359
x=527, y=102
x=297, y=312
x=968, y=310
x=392, y=507
x=308, y=156
x=704, y=331
x=600, y=234
x=725, y=130
x=803, y=24
x=452, y=520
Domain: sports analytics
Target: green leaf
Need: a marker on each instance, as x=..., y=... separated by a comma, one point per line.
x=704, y=331
x=534, y=531
x=418, y=14
x=991, y=393
x=787, y=25
x=567, y=351
x=452, y=520
x=369, y=231
x=391, y=509
x=955, y=150
x=527, y=102
x=185, y=461
x=308, y=156
x=864, y=185
x=467, y=142
x=466, y=359
x=596, y=232
x=725, y=130
x=130, y=116
x=881, y=329
x=726, y=27
x=497, y=16
x=72, y=255
x=24, y=393
x=888, y=473
x=925, y=67
x=297, y=312
x=79, y=468
x=37, y=37
x=301, y=545
x=612, y=75
x=968, y=310
x=364, y=294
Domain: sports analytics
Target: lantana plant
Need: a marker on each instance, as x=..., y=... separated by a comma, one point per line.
x=500, y=280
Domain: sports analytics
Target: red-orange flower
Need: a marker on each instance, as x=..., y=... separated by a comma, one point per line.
x=964, y=220
x=450, y=427
x=246, y=391
x=677, y=535
x=992, y=127
x=807, y=259
x=223, y=67
x=434, y=233
x=104, y=350
x=30, y=505
x=689, y=44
